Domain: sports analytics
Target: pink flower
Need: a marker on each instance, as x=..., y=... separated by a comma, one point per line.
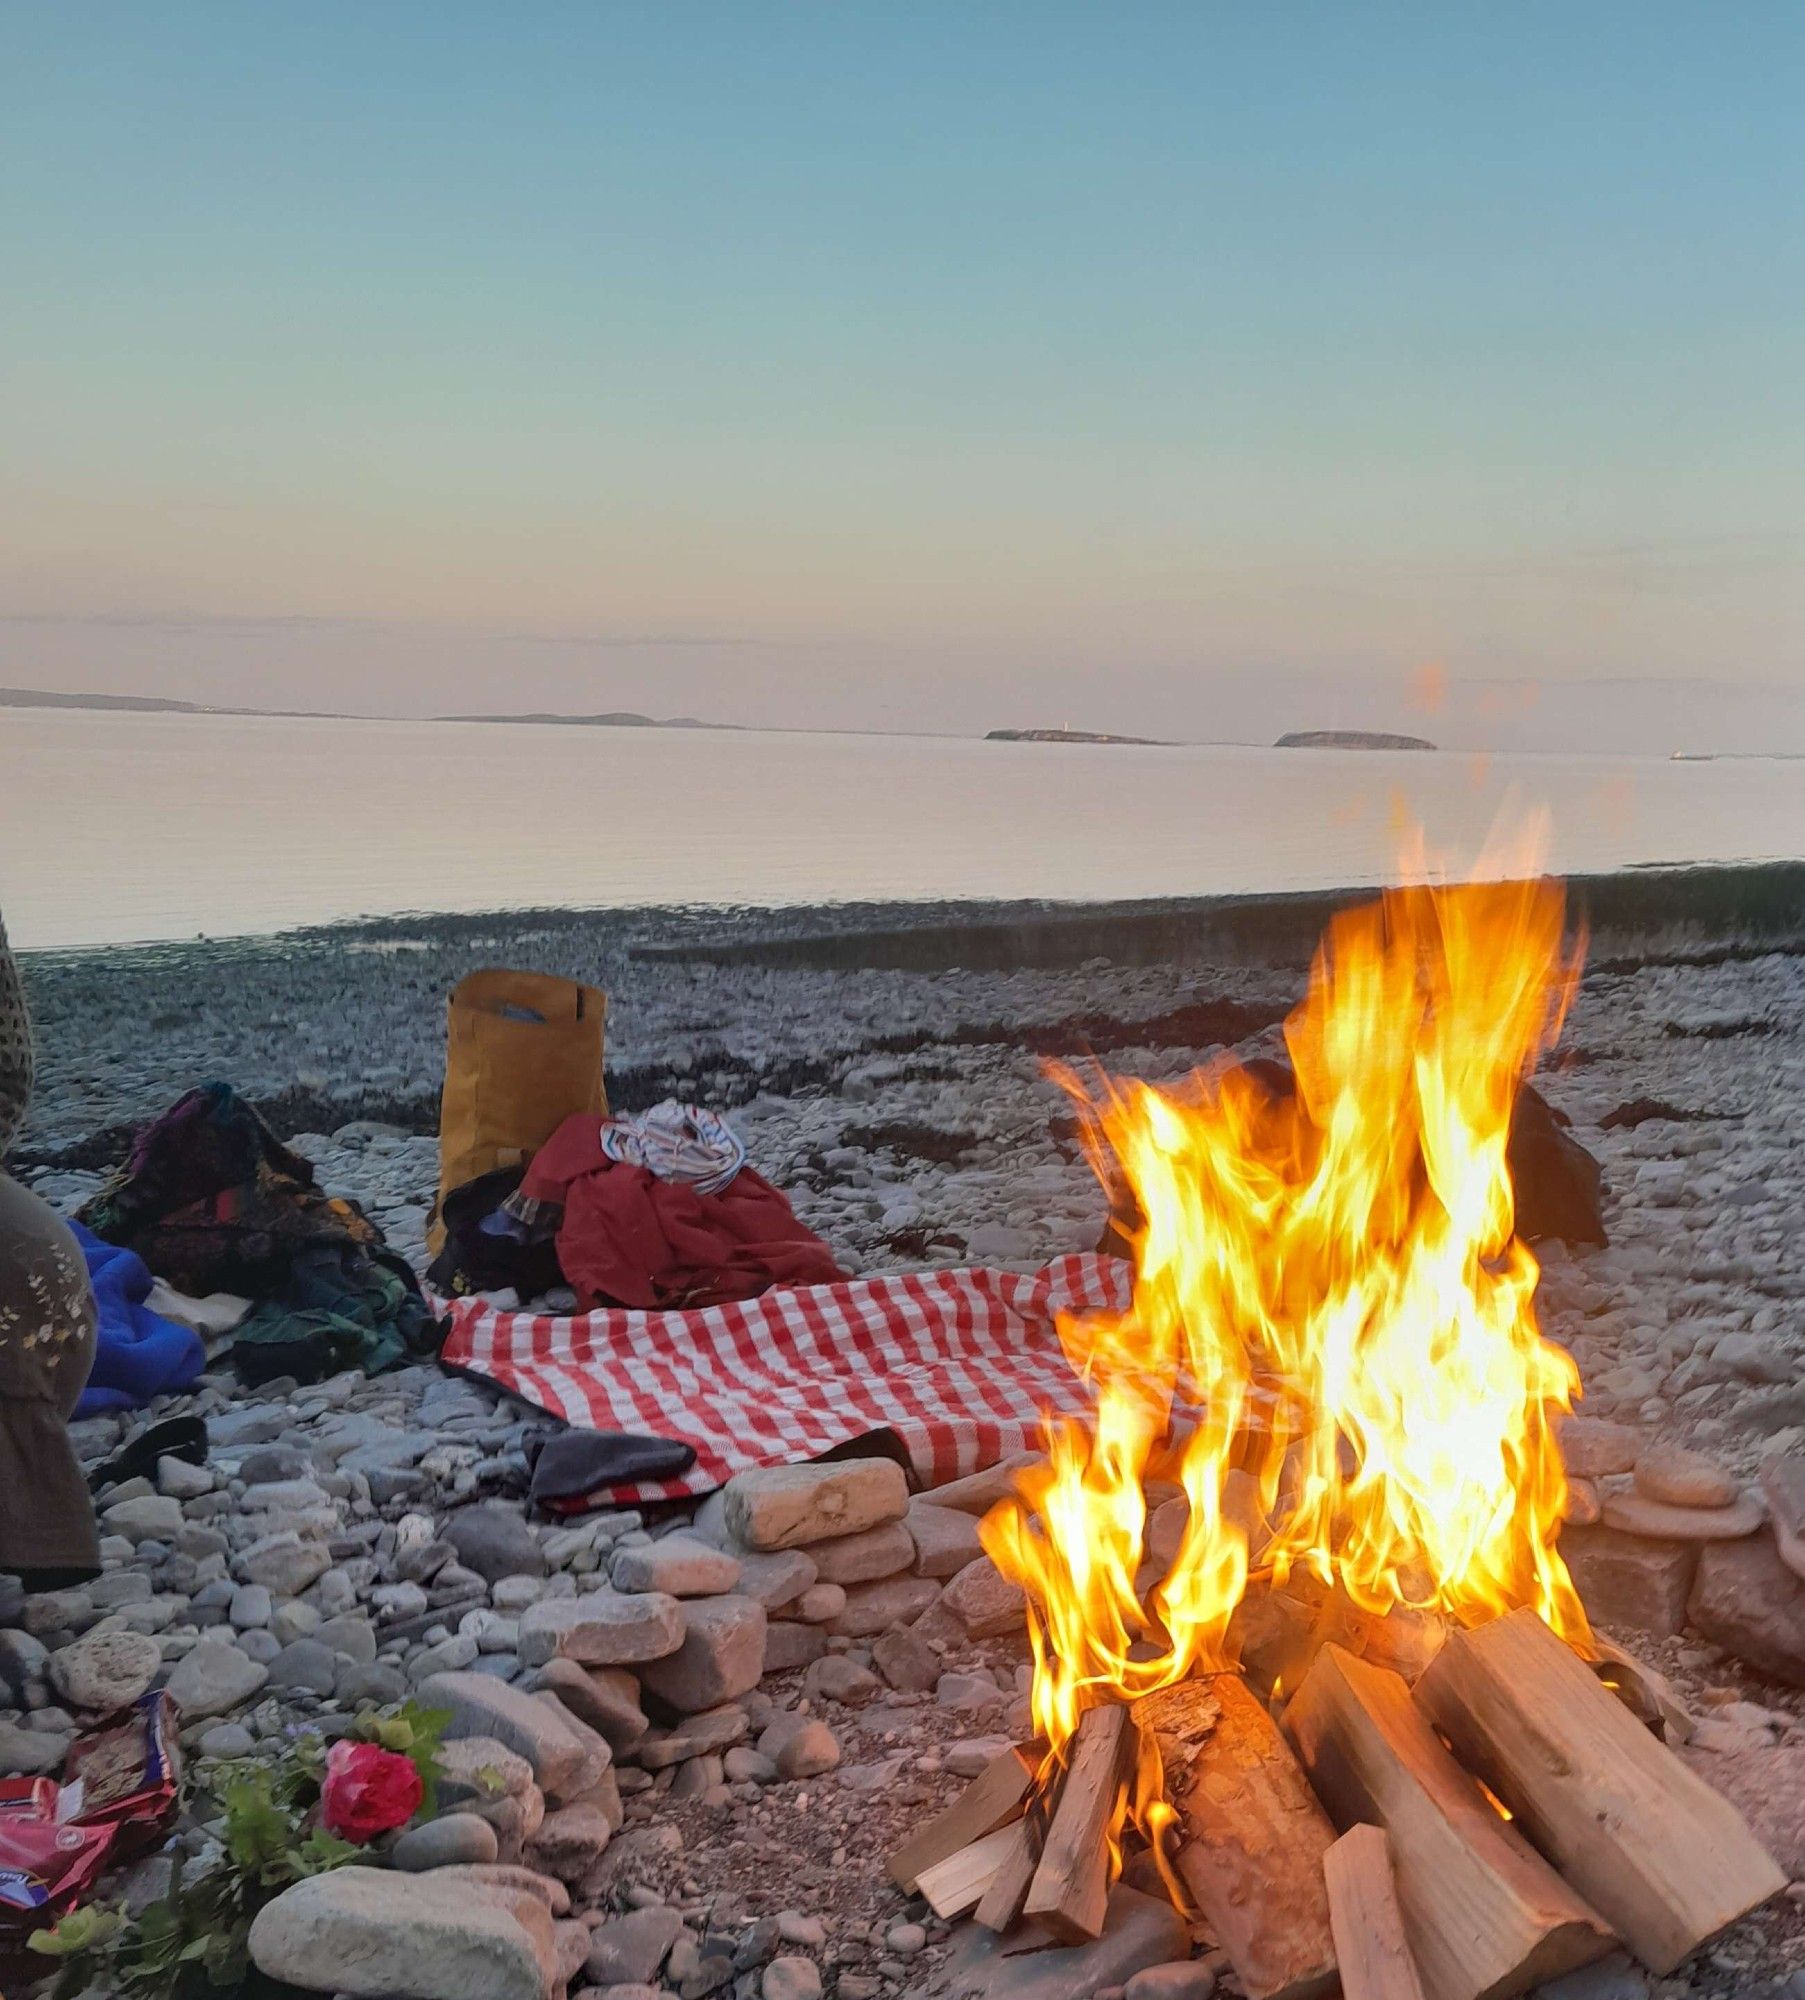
x=367, y=1791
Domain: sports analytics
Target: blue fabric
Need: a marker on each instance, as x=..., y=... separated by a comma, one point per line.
x=139, y=1354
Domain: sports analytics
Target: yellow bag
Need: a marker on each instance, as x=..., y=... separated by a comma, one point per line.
x=523, y=1051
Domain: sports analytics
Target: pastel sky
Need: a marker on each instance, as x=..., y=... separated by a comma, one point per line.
x=1190, y=370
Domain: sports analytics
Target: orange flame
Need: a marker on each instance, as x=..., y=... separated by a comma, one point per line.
x=1332, y=1345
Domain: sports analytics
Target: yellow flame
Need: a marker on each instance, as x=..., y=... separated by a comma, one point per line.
x=1331, y=1312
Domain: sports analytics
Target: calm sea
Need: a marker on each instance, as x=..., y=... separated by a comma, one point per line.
x=117, y=827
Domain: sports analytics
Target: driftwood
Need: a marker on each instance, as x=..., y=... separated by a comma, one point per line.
x=1253, y=1835
x=1370, y=1946
x=1486, y=1916
x=1069, y=1894
x=994, y=1797
x=1667, y=1860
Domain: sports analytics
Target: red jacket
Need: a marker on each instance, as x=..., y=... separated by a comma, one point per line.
x=629, y=1239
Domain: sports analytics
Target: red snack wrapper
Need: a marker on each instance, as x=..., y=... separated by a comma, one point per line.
x=45, y=1864
x=126, y=1774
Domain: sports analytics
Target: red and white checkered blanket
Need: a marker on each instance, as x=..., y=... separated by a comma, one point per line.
x=960, y=1364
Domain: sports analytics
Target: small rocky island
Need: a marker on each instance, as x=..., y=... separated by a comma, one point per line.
x=1069, y=736
x=1350, y=739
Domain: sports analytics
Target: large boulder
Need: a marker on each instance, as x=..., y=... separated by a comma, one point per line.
x=721, y=1658
x=566, y=1757
x=368, y=1933
x=606, y=1628
x=1750, y=1603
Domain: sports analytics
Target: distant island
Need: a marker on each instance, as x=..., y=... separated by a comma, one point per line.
x=1066, y=736
x=615, y=718
x=1350, y=739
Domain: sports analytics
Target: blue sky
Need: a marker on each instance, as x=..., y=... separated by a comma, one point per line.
x=1199, y=370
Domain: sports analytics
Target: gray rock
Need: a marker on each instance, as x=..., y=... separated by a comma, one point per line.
x=495, y=1541
x=214, y=1679
x=22, y=1660
x=30, y=1753
x=1636, y=1514
x=631, y=1950
x=455, y=1840
x=607, y=1698
x=866, y=1557
x=968, y=1694
x=271, y=1464
x=985, y=1602
x=1592, y=1448
x=1184, y=1979
x=284, y=1563
x=906, y=1661
x=364, y=1933
x=293, y=1620
x=945, y=1539
x=570, y=1842
x=788, y=1646
x=179, y=1480
x=801, y=1746
x=821, y=1603
x=533, y=1727
x=1748, y=1601
x=775, y=1579
x=836, y=1678
x=259, y=1646
x=251, y=1607
x=1783, y=1488
x=876, y=1607
x=1628, y=1581
x=791, y=1977
x=154, y=1517
x=744, y=1766
x=679, y=1566
x=1618, y=1977
x=227, y=1739
x=352, y=1637
x=789, y=1506
x=1675, y=1477
x=305, y=1666
x=105, y=1670
x=1138, y=1931
x=606, y=1628
x=720, y=1659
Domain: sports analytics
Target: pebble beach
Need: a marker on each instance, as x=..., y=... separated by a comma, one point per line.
x=907, y=1112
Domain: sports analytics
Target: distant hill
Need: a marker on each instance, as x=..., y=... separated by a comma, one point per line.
x=1062, y=736
x=155, y=704
x=616, y=718
x=1350, y=739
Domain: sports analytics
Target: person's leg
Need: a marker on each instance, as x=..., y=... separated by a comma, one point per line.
x=47, y=1333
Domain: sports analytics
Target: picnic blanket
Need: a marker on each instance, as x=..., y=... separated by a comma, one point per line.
x=960, y=1364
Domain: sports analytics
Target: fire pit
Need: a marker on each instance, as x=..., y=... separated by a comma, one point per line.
x=1298, y=1573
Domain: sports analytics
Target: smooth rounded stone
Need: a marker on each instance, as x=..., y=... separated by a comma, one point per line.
x=696, y=1777
x=1635, y=1514
x=352, y=1637
x=227, y=1739
x=251, y=1607
x=152, y=1517
x=791, y=1977
x=820, y=1604
x=495, y=1541
x=31, y=1753
x=945, y=1538
x=294, y=1620
x=512, y=1594
x=367, y=1933
x=570, y=1842
x=801, y=1746
x=1184, y=1979
x=178, y=1480
x=305, y=1666
x=789, y=1645
x=906, y=1661
x=798, y=1927
x=985, y=1602
x=968, y=1694
x=532, y=1726
x=1746, y=1600
x=875, y=1607
x=1755, y=1357
x=722, y=1656
x=546, y=1890
x=272, y=1464
x=105, y=1670
x=376, y=1685
x=259, y=1646
x=214, y=1679
x=607, y=1698
x=481, y=1768
x=905, y=1940
x=866, y=1557
x=775, y=1578
x=746, y=1766
x=678, y=1566
x=22, y=1659
x=975, y=1754
x=791, y=1506
x=605, y=1628
x=454, y=1840
x=837, y=1678
x=1594, y=1448
x=1679, y=1478
x=284, y=1563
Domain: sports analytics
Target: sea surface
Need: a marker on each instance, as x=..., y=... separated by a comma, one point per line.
x=123, y=827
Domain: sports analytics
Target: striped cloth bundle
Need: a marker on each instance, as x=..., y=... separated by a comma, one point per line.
x=960, y=1364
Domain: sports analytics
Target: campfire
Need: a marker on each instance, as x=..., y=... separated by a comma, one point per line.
x=1306, y=1657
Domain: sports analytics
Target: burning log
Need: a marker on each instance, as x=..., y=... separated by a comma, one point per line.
x=1370, y=1945
x=994, y=1797
x=1668, y=1860
x=1070, y=1890
x=1485, y=1915
x=1254, y=1835
x=1008, y=1890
